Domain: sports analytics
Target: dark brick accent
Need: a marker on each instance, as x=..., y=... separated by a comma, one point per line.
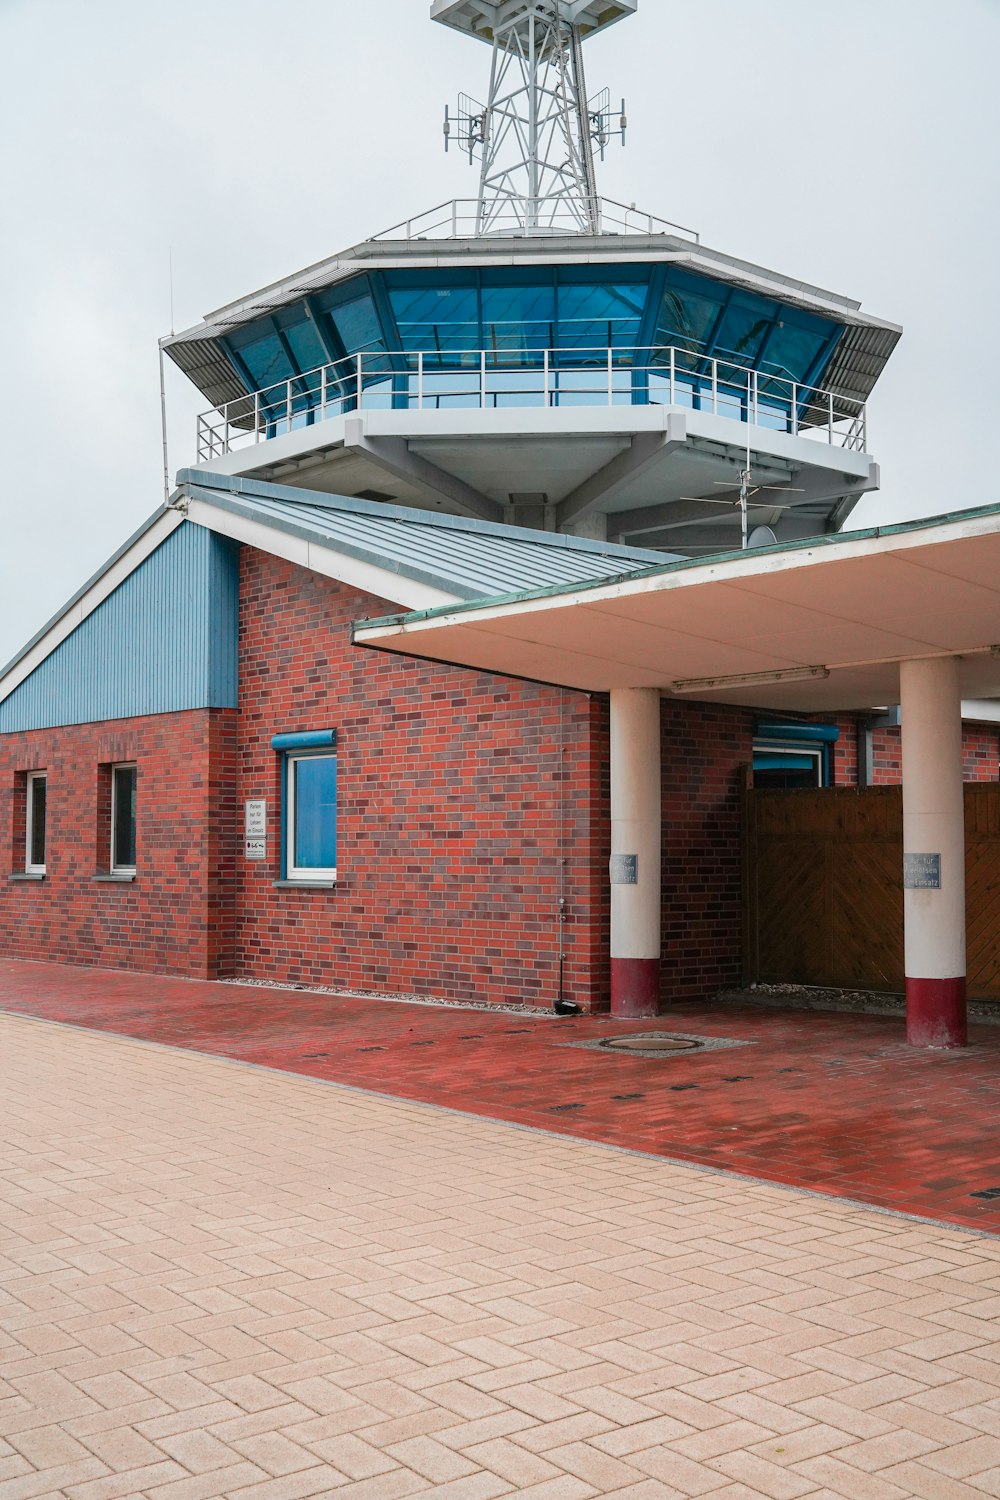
x=705, y=747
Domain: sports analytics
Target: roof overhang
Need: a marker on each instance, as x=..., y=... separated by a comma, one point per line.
x=815, y=626
x=481, y=18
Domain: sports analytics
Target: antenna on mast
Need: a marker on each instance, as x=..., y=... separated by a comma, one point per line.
x=535, y=137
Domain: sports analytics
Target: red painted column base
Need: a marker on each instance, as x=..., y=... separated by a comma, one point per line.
x=935, y=1013
x=635, y=987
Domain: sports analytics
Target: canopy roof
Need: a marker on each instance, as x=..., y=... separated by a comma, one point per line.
x=811, y=626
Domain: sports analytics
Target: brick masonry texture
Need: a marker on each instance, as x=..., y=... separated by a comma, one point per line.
x=473, y=824
x=980, y=754
x=177, y=916
x=468, y=806
x=704, y=749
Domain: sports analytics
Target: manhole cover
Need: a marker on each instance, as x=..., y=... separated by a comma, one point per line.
x=652, y=1042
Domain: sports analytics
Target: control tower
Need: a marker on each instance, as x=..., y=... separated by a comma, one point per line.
x=540, y=355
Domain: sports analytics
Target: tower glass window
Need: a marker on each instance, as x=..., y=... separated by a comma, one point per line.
x=35, y=823
x=123, y=819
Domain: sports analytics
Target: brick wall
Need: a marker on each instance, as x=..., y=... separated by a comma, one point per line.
x=459, y=794
x=177, y=916
x=704, y=748
x=980, y=753
x=469, y=807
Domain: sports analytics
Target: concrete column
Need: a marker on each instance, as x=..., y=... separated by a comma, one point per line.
x=593, y=525
x=933, y=824
x=635, y=851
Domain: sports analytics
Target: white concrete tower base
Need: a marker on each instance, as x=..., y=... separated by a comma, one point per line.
x=635, y=851
x=933, y=824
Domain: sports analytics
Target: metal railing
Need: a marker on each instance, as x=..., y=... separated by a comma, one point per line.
x=495, y=379
x=467, y=218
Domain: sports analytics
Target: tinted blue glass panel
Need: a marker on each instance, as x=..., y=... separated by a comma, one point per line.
x=315, y=800
x=744, y=329
x=305, y=344
x=777, y=760
x=357, y=325
x=519, y=317
x=600, y=316
x=265, y=359
x=513, y=313
x=443, y=318
x=687, y=318
x=792, y=351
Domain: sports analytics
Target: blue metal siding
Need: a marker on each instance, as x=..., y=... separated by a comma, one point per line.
x=165, y=640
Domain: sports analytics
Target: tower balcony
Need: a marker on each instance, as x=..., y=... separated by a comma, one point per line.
x=642, y=444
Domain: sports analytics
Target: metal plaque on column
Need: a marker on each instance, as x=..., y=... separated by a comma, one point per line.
x=624, y=869
x=922, y=872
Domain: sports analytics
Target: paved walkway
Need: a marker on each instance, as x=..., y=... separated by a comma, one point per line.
x=218, y=1280
x=838, y=1103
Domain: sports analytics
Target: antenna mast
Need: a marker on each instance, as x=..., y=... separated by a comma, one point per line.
x=535, y=136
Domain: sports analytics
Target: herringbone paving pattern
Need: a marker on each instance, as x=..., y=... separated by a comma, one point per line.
x=217, y=1280
x=838, y=1103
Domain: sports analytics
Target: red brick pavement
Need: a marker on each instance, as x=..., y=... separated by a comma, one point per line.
x=830, y=1102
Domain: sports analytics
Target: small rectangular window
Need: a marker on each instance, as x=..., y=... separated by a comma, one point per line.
x=123, y=804
x=34, y=851
x=311, y=817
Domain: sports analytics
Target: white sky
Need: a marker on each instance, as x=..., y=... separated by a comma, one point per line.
x=854, y=145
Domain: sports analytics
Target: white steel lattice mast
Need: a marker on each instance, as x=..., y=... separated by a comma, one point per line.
x=535, y=136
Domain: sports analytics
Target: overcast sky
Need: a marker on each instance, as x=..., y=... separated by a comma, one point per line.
x=854, y=145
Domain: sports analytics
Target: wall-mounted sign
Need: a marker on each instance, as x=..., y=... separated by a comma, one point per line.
x=922, y=872
x=624, y=869
x=255, y=829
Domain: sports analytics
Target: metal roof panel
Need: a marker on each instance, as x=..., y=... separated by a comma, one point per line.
x=467, y=558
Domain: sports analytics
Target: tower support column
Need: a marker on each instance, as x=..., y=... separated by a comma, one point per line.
x=635, y=852
x=933, y=853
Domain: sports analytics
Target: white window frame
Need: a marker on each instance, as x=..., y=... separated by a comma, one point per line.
x=292, y=871
x=29, y=822
x=807, y=749
x=124, y=765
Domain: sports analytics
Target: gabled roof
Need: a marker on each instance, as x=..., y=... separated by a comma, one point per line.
x=411, y=557
x=464, y=558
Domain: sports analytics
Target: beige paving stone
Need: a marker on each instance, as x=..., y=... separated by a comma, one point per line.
x=513, y=1463
x=222, y=1283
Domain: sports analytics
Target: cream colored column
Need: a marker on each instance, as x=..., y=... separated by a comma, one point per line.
x=933, y=849
x=635, y=851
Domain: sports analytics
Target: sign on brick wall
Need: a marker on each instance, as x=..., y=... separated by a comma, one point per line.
x=255, y=829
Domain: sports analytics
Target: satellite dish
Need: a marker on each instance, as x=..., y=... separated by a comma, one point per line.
x=762, y=536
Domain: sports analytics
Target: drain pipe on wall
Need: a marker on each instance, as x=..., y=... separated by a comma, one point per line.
x=561, y=1005
x=866, y=726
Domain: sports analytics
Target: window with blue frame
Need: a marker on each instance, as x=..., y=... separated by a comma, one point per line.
x=794, y=755
x=309, y=805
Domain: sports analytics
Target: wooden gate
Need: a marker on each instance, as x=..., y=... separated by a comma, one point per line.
x=823, y=887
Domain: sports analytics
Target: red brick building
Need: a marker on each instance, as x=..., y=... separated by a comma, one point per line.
x=472, y=812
